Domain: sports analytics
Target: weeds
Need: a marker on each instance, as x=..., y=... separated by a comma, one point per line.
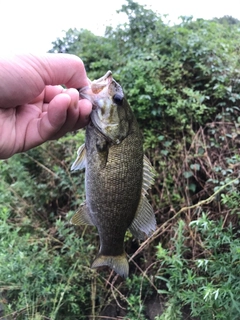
x=183, y=85
x=191, y=262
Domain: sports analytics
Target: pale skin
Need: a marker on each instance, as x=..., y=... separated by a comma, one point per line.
x=34, y=107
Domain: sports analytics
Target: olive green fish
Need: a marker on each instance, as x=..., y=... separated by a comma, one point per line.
x=117, y=174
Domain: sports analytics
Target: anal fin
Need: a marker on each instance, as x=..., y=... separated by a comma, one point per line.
x=82, y=216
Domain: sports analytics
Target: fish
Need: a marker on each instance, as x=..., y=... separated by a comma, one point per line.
x=117, y=174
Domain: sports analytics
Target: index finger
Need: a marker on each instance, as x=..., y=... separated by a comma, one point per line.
x=65, y=69
x=25, y=76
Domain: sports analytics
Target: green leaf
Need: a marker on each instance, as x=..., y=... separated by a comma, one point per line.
x=188, y=174
x=195, y=166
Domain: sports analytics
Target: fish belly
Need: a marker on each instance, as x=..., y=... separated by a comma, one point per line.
x=113, y=190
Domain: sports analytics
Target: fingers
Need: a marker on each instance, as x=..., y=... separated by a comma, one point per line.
x=31, y=73
x=51, y=92
x=65, y=113
x=77, y=115
x=61, y=113
x=85, y=108
x=57, y=69
x=83, y=105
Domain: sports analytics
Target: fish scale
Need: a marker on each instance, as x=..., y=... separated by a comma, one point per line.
x=117, y=174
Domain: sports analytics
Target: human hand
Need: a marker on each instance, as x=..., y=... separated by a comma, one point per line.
x=34, y=107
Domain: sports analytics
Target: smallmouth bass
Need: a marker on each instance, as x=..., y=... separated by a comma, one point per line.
x=117, y=174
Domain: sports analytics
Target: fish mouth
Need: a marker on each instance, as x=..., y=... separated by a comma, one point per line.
x=96, y=90
x=86, y=93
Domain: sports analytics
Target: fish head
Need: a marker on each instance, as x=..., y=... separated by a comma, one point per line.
x=111, y=114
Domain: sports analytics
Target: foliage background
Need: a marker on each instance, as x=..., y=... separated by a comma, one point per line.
x=183, y=84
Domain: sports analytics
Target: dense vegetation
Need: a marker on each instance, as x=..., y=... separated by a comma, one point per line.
x=183, y=84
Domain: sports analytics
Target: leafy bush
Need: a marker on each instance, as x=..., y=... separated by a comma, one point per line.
x=182, y=83
x=208, y=282
x=41, y=274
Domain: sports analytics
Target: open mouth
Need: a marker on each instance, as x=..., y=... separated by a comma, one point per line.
x=96, y=90
x=86, y=93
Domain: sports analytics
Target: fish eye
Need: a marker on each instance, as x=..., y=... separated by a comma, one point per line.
x=118, y=99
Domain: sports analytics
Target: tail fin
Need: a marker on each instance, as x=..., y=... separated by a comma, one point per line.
x=118, y=263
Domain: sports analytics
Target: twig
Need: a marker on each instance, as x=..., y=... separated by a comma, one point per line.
x=157, y=232
x=42, y=165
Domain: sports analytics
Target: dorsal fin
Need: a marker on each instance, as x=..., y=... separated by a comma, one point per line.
x=144, y=222
x=148, y=175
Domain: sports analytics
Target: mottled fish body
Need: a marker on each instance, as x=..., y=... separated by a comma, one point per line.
x=117, y=174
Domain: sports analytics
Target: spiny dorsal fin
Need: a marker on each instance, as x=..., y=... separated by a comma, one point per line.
x=148, y=175
x=82, y=216
x=144, y=222
x=80, y=162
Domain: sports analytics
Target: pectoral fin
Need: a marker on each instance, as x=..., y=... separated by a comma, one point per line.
x=82, y=216
x=144, y=222
x=80, y=162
